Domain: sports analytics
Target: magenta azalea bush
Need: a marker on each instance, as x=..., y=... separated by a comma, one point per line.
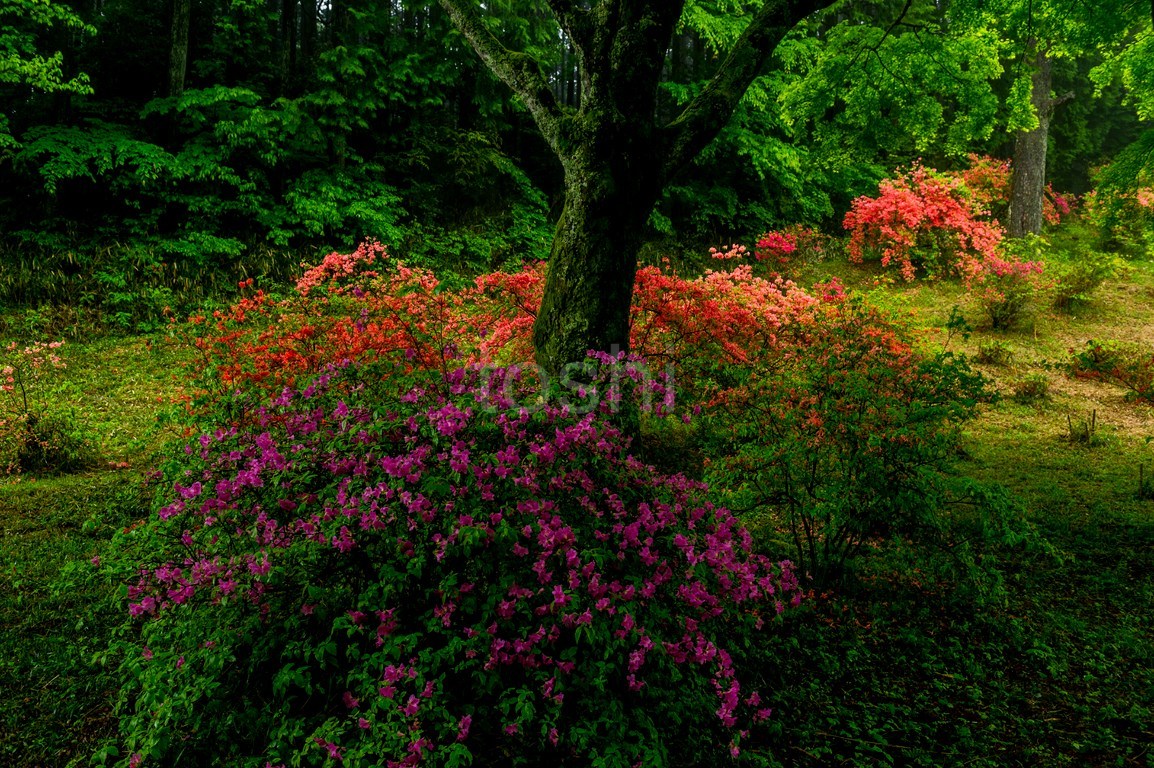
x=382, y=570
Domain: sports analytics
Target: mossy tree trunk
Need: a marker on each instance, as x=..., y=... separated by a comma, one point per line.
x=616, y=154
x=593, y=259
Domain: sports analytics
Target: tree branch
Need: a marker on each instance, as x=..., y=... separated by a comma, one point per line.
x=519, y=71
x=574, y=19
x=877, y=47
x=703, y=118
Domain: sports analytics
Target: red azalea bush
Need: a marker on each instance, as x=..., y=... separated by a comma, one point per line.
x=362, y=306
x=922, y=219
x=1056, y=206
x=1123, y=365
x=1008, y=288
x=731, y=315
x=987, y=181
x=390, y=569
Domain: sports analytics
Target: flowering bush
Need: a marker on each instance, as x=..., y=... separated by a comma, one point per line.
x=923, y=220
x=987, y=181
x=1008, y=288
x=386, y=568
x=735, y=342
x=1056, y=206
x=343, y=310
x=776, y=247
x=34, y=437
x=1118, y=364
x=839, y=445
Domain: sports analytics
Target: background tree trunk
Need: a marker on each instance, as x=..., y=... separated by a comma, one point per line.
x=178, y=53
x=308, y=38
x=1029, y=180
x=288, y=45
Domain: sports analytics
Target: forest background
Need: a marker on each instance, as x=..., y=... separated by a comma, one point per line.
x=150, y=154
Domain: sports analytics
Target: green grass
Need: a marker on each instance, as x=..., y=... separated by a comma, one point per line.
x=1035, y=658
x=1049, y=663
x=54, y=620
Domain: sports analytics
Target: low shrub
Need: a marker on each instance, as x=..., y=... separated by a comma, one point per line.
x=1008, y=289
x=384, y=567
x=1033, y=388
x=36, y=435
x=841, y=448
x=1010, y=281
x=1127, y=366
x=787, y=252
x=1079, y=276
x=994, y=352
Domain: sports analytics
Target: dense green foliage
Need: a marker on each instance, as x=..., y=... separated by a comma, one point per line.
x=298, y=127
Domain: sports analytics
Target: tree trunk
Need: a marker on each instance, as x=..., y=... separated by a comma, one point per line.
x=1029, y=181
x=288, y=45
x=308, y=38
x=178, y=53
x=589, y=286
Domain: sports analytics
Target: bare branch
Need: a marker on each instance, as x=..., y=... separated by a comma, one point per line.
x=701, y=121
x=519, y=71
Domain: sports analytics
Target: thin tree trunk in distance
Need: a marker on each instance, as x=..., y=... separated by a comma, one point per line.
x=178, y=53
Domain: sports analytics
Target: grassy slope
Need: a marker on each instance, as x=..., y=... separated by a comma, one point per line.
x=1054, y=666
x=56, y=698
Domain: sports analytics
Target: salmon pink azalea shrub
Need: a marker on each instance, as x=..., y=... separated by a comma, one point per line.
x=390, y=568
x=1008, y=287
x=987, y=181
x=923, y=220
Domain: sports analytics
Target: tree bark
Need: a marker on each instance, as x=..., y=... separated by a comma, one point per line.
x=1029, y=179
x=593, y=260
x=308, y=38
x=178, y=52
x=288, y=45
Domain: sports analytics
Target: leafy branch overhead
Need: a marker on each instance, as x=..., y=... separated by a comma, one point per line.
x=621, y=46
